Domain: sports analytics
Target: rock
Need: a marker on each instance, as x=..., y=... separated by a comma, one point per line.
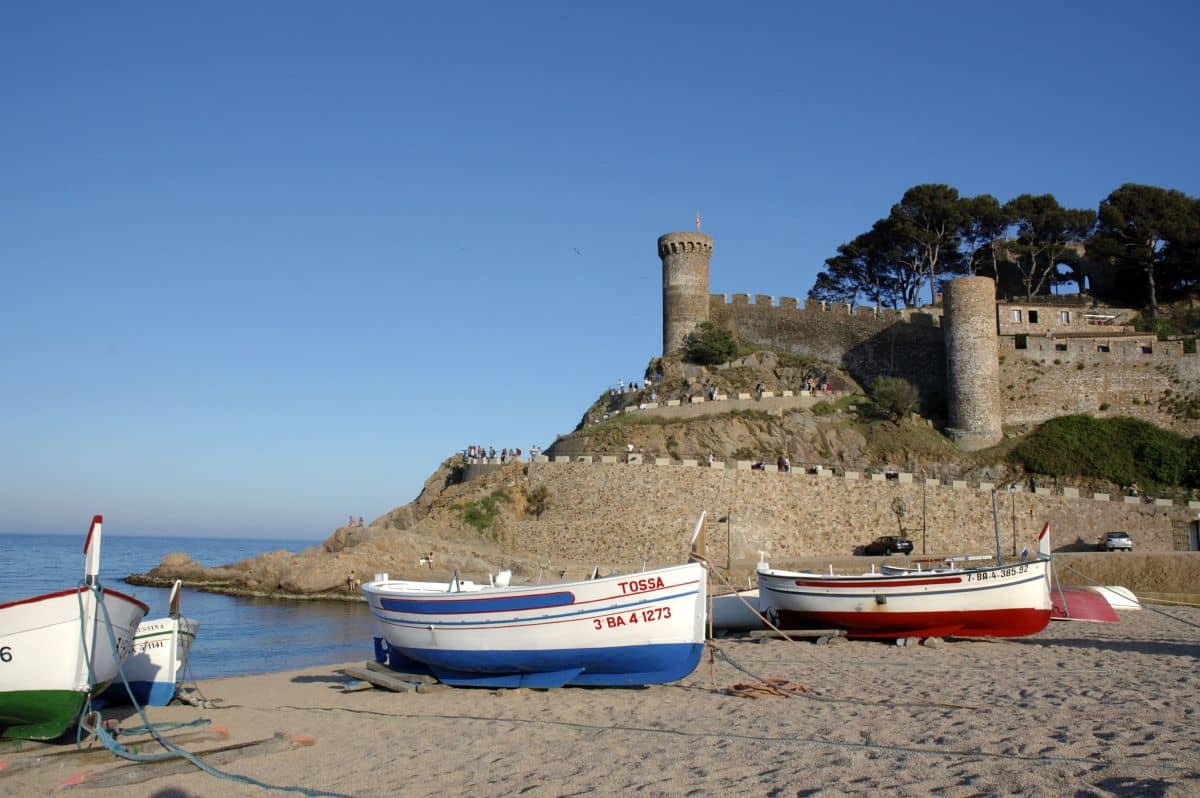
x=305, y=581
x=177, y=559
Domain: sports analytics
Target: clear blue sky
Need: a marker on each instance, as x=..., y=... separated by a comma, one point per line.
x=267, y=264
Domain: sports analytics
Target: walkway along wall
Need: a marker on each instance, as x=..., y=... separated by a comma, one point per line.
x=616, y=513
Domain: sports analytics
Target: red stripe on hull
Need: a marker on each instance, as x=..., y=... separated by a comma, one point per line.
x=891, y=581
x=890, y=625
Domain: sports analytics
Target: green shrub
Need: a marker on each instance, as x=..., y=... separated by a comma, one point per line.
x=894, y=397
x=1122, y=450
x=709, y=345
x=823, y=408
x=537, y=499
x=482, y=513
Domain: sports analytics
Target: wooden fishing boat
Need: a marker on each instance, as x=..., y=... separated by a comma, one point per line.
x=155, y=667
x=644, y=628
x=1000, y=601
x=57, y=649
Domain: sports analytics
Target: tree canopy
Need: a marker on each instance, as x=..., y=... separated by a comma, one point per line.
x=933, y=234
x=709, y=344
x=1152, y=230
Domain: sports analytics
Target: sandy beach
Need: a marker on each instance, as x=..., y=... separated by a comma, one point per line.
x=1079, y=709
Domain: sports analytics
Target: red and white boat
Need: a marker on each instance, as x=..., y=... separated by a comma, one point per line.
x=1008, y=600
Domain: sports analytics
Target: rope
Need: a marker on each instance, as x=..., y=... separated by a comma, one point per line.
x=92, y=722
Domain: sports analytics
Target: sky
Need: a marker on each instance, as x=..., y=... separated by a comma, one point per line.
x=266, y=265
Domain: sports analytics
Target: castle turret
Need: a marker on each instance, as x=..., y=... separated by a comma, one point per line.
x=685, y=259
x=972, y=362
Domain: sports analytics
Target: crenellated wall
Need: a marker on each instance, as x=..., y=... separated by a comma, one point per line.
x=598, y=513
x=867, y=341
x=1101, y=361
x=1138, y=377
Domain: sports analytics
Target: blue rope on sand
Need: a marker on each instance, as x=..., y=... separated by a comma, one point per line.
x=91, y=721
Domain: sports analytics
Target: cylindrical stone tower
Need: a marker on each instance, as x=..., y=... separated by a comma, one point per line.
x=685, y=259
x=972, y=362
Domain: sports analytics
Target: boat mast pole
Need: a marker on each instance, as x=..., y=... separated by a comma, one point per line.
x=996, y=527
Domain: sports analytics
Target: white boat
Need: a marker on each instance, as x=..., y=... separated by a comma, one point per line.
x=1003, y=600
x=1118, y=597
x=642, y=628
x=58, y=648
x=736, y=612
x=155, y=667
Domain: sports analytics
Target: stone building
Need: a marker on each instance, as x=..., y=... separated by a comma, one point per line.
x=978, y=362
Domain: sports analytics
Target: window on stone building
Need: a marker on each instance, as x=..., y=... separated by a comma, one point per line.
x=1016, y=315
x=1102, y=348
x=1020, y=341
x=1060, y=347
x=1064, y=316
x=1033, y=317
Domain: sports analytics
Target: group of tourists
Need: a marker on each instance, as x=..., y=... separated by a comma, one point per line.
x=476, y=452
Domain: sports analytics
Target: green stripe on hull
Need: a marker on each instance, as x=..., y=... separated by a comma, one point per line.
x=39, y=714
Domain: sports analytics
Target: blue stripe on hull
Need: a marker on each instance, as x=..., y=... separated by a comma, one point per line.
x=147, y=694
x=622, y=666
x=462, y=606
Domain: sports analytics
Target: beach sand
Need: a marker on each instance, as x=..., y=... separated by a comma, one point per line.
x=1079, y=709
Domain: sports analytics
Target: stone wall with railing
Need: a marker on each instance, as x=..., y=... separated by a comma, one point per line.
x=605, y=509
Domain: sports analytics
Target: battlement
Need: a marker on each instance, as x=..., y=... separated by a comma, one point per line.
x=930, y=315
x=685, y=243
x=1126, y=349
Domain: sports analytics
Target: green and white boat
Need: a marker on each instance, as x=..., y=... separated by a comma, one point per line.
x=56, y=650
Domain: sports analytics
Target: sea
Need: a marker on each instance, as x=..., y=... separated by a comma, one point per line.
x=237, y=636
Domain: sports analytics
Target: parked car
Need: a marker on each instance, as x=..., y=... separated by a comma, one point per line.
x=1115, y=541
x=889, y=544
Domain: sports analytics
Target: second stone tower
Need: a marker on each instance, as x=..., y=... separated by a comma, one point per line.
x=685, y=259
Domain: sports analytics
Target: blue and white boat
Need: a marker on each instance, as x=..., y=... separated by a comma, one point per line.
x=643, y=628
x=155, y=666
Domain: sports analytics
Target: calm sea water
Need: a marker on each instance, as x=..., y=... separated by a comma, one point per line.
x=237, y=635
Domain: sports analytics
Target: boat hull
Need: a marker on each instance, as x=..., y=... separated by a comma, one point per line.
x=736, y=612
x=1004, y=601
x=645, y=628
x=56, y=651
x=156, y=664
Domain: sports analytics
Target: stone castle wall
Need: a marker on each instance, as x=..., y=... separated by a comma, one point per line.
x=599, y=512
x=867, y=341
x=1142, y=378
x=909, y=343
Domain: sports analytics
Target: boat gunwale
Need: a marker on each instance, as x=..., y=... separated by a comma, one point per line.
x=70, y=591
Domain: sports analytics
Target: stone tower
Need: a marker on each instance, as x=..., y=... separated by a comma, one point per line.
x=685, y=259
x=972, y=362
